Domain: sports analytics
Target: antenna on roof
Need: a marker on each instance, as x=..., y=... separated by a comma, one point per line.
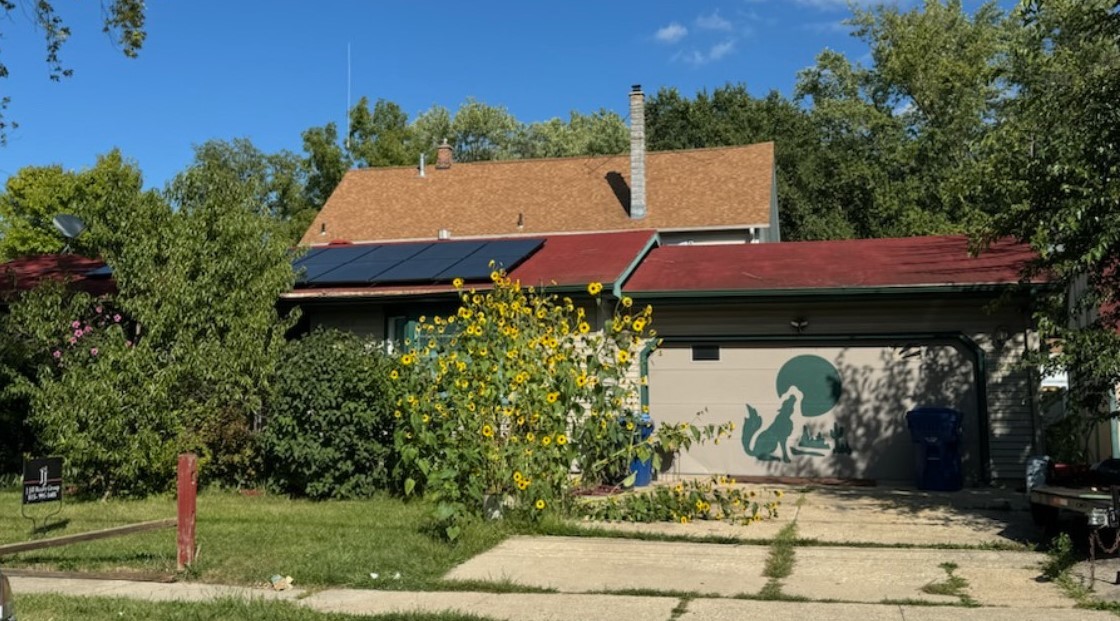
x=70, y=227
x=346, y=141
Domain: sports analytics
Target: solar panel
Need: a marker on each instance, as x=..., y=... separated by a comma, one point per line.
x=505, y=253
x=366, y=267
x=334, y=255
x=412, y=262
x=426, y=266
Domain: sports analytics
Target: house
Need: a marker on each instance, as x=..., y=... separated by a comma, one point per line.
x=816, y=350
x=691, y=196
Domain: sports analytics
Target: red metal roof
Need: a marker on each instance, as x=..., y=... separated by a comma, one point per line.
x=824, y=265
x=566, y=260
x=27, y=273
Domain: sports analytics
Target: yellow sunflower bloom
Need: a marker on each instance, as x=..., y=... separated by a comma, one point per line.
x=561, y=439
x=584, y=327
x=393, y=374
x=539, y=504
x=457, y=283
x=545, y=441
x=594, y=288
x=553, y=396
x=627, y=302
x=623, y=356
x=487, y=431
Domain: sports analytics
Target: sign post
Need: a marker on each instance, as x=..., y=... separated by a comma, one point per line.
x=188, y=493
x=42, y=482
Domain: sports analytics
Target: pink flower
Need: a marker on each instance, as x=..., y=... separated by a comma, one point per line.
x=93, y=352
x=117, y=318
x=57, y=354
x=128, y=343
x=75, y=324
x=73, y=340
x=98, y=310
x=78, y=333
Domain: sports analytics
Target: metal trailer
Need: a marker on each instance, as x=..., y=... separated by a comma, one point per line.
x=1100, y=508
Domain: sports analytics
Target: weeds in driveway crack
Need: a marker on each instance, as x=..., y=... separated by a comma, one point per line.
x=681, y=608
x=779, y=564
x=953, y=585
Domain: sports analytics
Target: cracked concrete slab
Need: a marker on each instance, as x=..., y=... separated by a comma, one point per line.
x=511, y=606
x=575, y=564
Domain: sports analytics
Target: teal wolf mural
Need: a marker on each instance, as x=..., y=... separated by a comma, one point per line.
x=811, y=386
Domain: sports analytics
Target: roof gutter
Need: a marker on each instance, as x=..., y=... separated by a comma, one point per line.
x=654, y=241
x=836, y=291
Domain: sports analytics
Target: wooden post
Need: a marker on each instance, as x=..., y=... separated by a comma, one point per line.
x=188, y=492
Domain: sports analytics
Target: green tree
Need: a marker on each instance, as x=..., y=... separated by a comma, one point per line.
x=1054, y=164
x=483, y=132
x=185, y=357
x=278, y=181
x=123, y=19
x=326, y=163
x=36, y=194
x=600, y=133
x=380, y=136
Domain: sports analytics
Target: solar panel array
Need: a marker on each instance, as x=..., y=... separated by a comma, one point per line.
x=419, y=262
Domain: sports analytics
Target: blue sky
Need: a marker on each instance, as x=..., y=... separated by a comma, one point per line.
x=267, y=70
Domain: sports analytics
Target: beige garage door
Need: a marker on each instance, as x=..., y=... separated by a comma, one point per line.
x=829, y=411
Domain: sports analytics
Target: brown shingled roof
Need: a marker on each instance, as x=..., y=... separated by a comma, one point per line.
x=719, y=188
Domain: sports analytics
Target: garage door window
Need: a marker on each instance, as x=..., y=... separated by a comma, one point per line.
x=705, y=352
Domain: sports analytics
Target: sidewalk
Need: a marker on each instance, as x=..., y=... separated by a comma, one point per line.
x=546, y=606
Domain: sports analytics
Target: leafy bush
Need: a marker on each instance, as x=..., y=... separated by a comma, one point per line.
x=118, y=434
x=329, y=434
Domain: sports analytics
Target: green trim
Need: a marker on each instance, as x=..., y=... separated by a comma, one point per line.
x=979, y=369
x=616, y=288
x=826, y=292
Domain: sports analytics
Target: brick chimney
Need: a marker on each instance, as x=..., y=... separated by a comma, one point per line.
x=637, y=153
x=443, y=156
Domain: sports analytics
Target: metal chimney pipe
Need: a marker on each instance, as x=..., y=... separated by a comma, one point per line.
x=637, y=153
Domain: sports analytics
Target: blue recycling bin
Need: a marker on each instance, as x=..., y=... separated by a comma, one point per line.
x=936, y=433
x=643, y=469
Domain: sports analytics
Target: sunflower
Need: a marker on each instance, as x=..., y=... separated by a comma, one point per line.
x=584, y=327
x=553, y=396
x=394, y=374
x=627, y=302
x=623, y=356
x=561, y=439
x=487, y=431
x=539, y=504
x=594, y=288
x=457, y=283
x=545, y=441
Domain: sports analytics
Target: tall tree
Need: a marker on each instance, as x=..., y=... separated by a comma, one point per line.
x=380, y=136
x=326, y=163
x=1055, y=163
x=483, y=132
x=123, y=19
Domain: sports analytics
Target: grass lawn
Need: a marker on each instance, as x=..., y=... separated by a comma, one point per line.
x=247, y=539
x=58, y=608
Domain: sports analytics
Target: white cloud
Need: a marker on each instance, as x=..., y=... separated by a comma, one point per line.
x=714, y=53
x=715, y=21
x=720, y=50
x=671, y=34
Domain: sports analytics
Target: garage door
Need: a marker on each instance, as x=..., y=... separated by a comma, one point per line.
x=804, y=411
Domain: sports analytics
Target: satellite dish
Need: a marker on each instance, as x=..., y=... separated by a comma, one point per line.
x=70, y=226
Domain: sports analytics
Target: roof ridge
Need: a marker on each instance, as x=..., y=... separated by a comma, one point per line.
x=649, y=153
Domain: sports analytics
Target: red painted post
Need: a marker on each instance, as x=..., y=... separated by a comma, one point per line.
x=188, y=492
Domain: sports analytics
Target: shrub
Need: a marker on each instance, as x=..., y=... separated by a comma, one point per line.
x=118, y=435
x=329, y=433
